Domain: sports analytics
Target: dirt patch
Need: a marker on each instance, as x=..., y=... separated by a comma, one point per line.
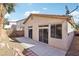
x=74, y=49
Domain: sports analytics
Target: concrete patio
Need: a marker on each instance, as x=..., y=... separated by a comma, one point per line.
x=41, y=49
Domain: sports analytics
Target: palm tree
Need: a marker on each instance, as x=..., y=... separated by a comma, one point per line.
x=77, y=26
x=5, y=8
x=68, y=11
x=8, y=48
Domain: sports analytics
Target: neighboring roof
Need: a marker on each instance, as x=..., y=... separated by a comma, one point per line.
x=50, y=16
x=20, y=20
x=12, y=21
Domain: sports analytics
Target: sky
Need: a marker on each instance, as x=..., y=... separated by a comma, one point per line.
x=22, y=10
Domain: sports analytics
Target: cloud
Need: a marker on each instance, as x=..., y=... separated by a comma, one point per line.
x=13, y=19
x=44, y=8
x=36, y=12
x=29, y=4
x=27, y=13
x=7, y=15
x=75, y=15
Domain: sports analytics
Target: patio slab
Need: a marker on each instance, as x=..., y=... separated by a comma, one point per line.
x=41, y=49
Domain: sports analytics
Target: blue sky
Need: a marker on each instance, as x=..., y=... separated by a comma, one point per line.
x=23, y=9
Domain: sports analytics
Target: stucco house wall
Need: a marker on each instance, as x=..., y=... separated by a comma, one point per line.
x=35, y=21
x=20, y=25
x=70, y=34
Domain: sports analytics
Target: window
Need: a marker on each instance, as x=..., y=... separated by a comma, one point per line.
x=53, y=31
x=30, y=33
x=56, y=31
x=59, y=31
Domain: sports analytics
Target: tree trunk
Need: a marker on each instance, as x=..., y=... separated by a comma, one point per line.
x=1, y=23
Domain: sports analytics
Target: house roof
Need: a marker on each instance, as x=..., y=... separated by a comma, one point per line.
x=20, y=20
x=72, y=22
x=50, y=16
x=12, y=21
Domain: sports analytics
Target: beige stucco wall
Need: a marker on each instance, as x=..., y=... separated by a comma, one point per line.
x=70, y=34
x=35, y=21
x=60, y=43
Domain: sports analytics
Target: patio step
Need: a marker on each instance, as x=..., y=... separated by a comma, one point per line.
x=28, y=52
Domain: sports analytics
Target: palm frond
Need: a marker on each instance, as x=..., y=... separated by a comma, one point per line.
x=9, y=7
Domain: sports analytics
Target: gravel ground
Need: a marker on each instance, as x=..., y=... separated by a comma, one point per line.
x=9, y=47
